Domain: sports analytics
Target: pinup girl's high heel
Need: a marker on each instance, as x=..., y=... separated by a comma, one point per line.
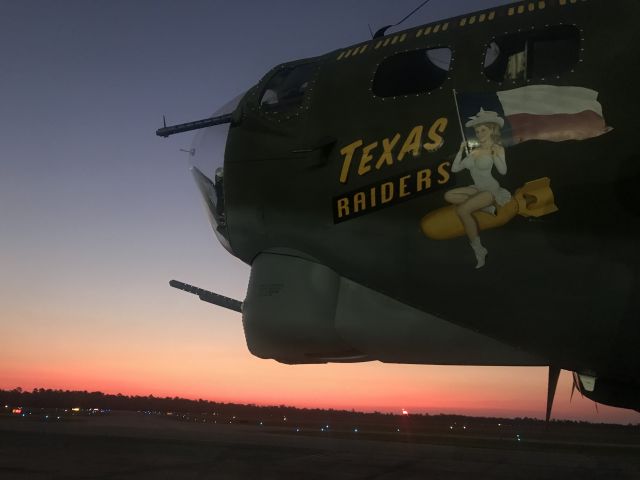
x=479, y=251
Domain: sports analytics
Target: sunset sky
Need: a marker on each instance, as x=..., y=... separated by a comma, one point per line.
x=97, y=214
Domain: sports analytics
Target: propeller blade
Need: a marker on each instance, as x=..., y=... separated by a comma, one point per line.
x=576, y=386
x=554, y=375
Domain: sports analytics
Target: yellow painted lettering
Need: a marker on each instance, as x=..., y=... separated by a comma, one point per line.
x=366, y=158
x=373, y=201
x=348, y=153
x=403, y=187
x=386, y=192
x=423, y=180
x=412, y=143
x=359, y=202
x=343, y=207
x=443, y=171
x=387, y=155
x=435, y=135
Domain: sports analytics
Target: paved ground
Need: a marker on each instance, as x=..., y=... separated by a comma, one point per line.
x=133, y=446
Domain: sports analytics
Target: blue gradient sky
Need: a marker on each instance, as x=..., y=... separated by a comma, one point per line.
x=97, y=213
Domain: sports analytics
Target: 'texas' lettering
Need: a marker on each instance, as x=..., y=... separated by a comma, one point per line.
x=385, y=150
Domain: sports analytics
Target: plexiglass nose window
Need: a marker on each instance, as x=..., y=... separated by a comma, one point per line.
x=207, y=161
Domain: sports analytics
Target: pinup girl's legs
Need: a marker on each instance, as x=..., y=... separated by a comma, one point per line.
x=469, y=200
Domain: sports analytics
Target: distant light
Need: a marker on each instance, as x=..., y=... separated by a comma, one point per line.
x=17, y=411
x=404, y=412
x=6, y=406
x=284, y=419
x=298, y=429
x=355, y=430
x=499, y=424
x=260, y=423
x=465, y=427
x=327, y=426
x=398, y=430
x=58, y=418
x=450, y=427
x=322, y=429
x=75, y=409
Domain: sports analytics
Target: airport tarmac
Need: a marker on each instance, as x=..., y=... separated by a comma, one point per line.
x=129, y=445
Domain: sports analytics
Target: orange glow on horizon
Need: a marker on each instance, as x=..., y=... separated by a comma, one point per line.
x=440, y=395
x=174, y=361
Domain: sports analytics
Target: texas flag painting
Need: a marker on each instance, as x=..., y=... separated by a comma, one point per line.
x=539, y=112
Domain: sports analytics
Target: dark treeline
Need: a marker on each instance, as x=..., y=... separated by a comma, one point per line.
x=47, y=398
x=67, y=399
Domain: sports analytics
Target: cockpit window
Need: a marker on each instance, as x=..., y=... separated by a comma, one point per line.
x=409, y=73
x=286, y=89
x=533, y=55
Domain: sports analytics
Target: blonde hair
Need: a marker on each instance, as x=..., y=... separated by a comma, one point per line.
x=496, y=134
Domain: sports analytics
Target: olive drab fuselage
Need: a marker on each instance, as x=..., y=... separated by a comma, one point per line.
x=352, y=176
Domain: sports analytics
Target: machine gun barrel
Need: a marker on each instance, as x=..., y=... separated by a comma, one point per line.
x=209, y=297
x=198, y=124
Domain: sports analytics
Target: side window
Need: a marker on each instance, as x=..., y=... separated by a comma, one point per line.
x=285, y=90
x=409, y=73
x=532, y=55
